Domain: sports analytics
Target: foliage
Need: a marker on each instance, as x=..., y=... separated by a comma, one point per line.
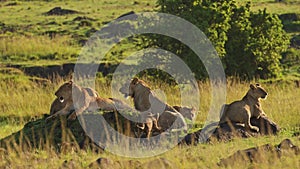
x=249, y=44
x=267, y=42
x=256, y=43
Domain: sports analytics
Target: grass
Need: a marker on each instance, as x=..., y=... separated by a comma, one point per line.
x=30, y=38
x=280, y=106
x=24, y=48
x=275, y=7
x=28, y=34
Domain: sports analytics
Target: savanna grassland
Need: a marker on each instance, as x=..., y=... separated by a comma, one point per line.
x=29, y=37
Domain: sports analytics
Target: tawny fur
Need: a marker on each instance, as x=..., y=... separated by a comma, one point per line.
x=241, y=111
x=57, y=105
x=84, y=99
x=149, y=121
x=146, y=102
x=186, y=112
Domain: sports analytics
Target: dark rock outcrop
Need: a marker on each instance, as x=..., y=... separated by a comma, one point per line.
x=226, y=132
x=261, y=154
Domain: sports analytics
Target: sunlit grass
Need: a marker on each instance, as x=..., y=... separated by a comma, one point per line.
x=21, y=99
x=280, y=106
x=20, y=48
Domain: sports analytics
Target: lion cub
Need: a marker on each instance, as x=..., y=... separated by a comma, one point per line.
x=75, y=97
x=241, y=111
x=149, y=120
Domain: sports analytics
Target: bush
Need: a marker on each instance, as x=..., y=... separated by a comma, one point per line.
x=249, y=44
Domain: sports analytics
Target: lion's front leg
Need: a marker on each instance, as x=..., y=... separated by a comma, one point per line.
x=64, y=111
x=76, y=113
x=248, y=125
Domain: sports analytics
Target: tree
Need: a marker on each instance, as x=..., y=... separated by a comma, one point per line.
x=249, y=44
x=266, y=44
x=237, y=60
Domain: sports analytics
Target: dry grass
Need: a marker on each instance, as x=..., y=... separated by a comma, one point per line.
x=29, y=99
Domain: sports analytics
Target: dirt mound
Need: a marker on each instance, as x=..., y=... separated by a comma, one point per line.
x=61, y=134
x=289, y=17
x=155, y=163
x=226, y=132
x=52, y=71
x=61, y=11
x=83, y=18
x=261, y=153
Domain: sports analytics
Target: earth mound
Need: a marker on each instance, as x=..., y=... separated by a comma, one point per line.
x=61, y=133
x=226, y=132
x=61, y=11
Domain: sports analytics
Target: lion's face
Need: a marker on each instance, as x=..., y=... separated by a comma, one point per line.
x=129, y=89
x=125, y=89
x=64, y=93
x=187, y=112
x=56, y=106
x=257, y=91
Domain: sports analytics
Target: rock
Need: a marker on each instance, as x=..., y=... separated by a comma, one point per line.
x=261, y=153
x=266, y=125
x=226, y=132
x=67, y=135
x=106, y=163
x=132, y=13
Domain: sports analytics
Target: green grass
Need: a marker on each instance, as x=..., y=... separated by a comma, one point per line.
x=27, y=99
x=25, y=40
x=24, y=48
x=275, y=7
x=27, y=34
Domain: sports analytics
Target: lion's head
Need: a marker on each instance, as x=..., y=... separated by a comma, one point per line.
x=136, y=85
x=186, y=112
x=56, y=106
x=257, y=92
x=64, y=93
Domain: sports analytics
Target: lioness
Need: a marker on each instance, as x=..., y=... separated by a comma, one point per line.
x=82, y=101
x=186, y=112
x=146, y=102
x=58, y=105
x=241, y=111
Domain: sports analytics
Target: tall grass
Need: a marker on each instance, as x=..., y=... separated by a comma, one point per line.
x=21, y=97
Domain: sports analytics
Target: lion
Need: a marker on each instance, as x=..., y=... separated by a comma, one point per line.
x=75, y=97
x=58, y=105
x=241, y=111
x=187, y=112
x=149, y=120
x=146, y=102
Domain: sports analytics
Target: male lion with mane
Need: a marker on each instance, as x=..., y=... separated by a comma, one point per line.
x=241, y=111
x=148, y=104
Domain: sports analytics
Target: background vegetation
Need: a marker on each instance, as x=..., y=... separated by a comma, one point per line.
x=270, y=44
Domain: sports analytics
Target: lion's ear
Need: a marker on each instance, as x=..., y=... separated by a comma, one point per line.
x=252, y=86
x=193, y=108
x=257, y=84
x=134, y=80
